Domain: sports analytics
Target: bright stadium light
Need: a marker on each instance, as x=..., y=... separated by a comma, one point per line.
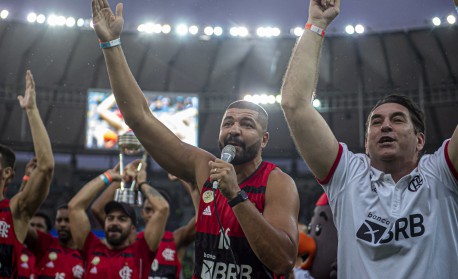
x=182, y=29
x=217, y=31
x=141, y=28
x=61, y=20
x=276, y=31
x=52, y=20
x=359, y=29
x=41, y=18
x=243, y=31
x=70, y=21
x=80, y=22
x=31, y=17
x=157, y=28
x=298, y=31
x=4, y=14
x=234, y=31
x=436, y=21
x=451, y=19
x=350, y=29
x=316, y=103
x=261, y=32
x=208, y=31
x=193, y=30
x=278, y=99
x=166, y=29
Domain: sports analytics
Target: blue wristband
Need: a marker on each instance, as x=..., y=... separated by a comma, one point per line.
x=105, y=179
x=115, y=42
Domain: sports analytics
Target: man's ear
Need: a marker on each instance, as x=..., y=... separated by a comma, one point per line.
x=265, y=139
x=8, y=175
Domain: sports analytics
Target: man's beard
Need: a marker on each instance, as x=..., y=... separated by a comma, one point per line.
x=64, y=235
x=116, y=241
x=247, y=154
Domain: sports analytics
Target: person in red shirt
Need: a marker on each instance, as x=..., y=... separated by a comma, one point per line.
x=167, y=263
x=16, y=213
x=56, y=257
x=119, y=257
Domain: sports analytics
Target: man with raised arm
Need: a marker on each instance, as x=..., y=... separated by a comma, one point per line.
x=171, y=249
x=257, y=234
x=119, y=257
x=395, y=209
x=15, y=213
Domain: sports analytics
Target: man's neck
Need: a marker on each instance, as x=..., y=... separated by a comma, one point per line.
x=247, y=169
x=397, y=169
x=68, y=244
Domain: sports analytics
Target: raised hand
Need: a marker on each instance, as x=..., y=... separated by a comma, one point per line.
x=107, y=26
x=322, y=12
x=28, y=101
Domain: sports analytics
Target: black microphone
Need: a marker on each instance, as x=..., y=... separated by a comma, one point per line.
x=227, y=155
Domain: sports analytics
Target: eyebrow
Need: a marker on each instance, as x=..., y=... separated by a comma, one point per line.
x=394, y=114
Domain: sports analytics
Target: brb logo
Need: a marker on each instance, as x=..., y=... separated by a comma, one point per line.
x=403, y=228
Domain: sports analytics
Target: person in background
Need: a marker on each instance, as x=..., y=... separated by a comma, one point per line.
x=15, y=213
x=395, y=209
x=118, y=257
x=167, y=263
x=56, y=257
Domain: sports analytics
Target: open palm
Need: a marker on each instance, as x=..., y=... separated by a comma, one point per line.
x=107, y=25
x=28, y=100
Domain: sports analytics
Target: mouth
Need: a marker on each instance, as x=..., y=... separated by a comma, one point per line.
x=386, y=139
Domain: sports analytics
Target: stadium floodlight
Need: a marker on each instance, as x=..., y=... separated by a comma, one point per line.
x=298, y=31
x=278, y=99
x=193, y=30
x=4, y=14
x=359, y=29
x=166, y=29
x=61, y=20
x=41, y=18
x=234, y=31
x=261, y=32
x=217, y=31
x=52, y=20
x=350, y=29
x=316, y=103
x=243, y=31
x=157, y=28
x=80, y=22
x=70, y=21
x=141, y=28
x=208, y=30
x=248, y=98
x=436, y=21
x=182, y=29
x=32, y=17
x=276, y=31
x=451, y=19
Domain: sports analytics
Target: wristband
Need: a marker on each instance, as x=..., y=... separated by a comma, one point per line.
x=106, y=178
x=25, y=178
x=115, y=42
x=320, y=31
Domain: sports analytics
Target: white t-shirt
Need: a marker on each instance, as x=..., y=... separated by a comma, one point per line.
x=393, y=230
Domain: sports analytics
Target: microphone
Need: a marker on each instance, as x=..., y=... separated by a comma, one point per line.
x=227, y=155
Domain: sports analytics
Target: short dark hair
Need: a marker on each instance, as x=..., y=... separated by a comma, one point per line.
x=45, y=217
x=62, y=206
x=263, y=116
x=416, y=113
x=8, y=158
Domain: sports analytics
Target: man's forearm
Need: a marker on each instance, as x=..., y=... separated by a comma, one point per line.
x=41, y=142
x=84, y=197
x=302, y=74
x=125, y=86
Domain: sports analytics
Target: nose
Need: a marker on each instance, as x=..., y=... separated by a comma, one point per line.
x=235, y=129
x=386, y=126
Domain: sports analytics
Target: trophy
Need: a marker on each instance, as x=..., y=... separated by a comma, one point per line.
x=128, y=144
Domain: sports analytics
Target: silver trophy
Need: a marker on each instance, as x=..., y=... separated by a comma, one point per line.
x=128, y=144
